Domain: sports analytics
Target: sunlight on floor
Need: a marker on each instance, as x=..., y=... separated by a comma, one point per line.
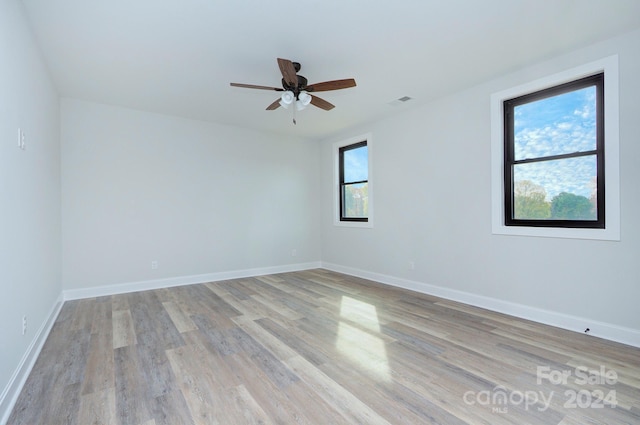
x=359, y=341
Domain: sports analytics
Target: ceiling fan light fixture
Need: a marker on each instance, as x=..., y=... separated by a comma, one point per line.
x=304, y=99
x=286, y=99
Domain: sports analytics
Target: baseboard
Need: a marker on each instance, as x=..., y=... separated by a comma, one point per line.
x=12, y=390
x=123, y=288
x=604, y=330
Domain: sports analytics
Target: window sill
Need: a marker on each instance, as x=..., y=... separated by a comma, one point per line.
x=555, y=232
x=362, y=224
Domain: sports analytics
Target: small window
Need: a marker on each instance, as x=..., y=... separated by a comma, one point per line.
x=354, y=182
x=554, y=172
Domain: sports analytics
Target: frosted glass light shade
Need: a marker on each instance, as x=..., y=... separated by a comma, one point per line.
x=286, y=99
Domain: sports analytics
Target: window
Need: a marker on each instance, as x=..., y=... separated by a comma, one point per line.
x=354, y=182
x=554, y=156
x=557, y=139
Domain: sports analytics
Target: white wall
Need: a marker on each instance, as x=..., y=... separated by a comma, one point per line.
x=433, y=206
x=29, y=196
x=196, y=197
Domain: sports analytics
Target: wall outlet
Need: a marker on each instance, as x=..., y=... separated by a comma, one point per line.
x=412, y=265
x=24, y=325
x=294, y=252
x=154, y=265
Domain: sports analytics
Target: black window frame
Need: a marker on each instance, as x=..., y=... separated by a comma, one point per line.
x=342, y=184
x=596, y=80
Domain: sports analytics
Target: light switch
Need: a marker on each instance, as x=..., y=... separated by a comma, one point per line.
x=21, y=139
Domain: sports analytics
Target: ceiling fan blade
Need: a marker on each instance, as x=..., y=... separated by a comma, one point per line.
x=321, y=103
x=288, y=72
x=253, y=86
x=274, y=105
x=332, y=85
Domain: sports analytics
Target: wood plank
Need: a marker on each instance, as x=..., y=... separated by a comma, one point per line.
x=98, y=375
x=180, y=319
x=246, y=408
x=123, y=332
x=198, y=385
x=171, y=409
x=98, y=408
x=132, y=403
x=275, y=402
x=334, y=394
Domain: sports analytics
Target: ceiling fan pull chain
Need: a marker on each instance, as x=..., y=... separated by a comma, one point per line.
x=294, y=114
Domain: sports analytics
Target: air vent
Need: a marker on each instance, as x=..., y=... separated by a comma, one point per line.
x=400, y=101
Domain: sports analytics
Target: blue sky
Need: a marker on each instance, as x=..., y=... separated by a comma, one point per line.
x=557, y=125
x=356, y=166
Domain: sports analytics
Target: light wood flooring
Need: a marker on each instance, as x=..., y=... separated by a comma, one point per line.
x=317, y=347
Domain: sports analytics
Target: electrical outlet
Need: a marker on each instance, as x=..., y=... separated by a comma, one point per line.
x=412, y=265
x=154, y=265
x=24, y=325
x=294, y=252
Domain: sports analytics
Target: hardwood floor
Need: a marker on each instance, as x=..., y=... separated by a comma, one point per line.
x=317, y=347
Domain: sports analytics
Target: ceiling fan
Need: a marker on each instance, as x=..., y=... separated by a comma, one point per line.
x=295, y=88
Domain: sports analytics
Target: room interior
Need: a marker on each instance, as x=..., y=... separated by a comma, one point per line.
x=143, y=169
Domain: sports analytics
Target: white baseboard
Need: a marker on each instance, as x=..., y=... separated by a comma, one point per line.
x=123, y=288
x=14, y=386
x=604, y=330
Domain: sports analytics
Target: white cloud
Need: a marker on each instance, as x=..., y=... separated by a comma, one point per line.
x=557, y=125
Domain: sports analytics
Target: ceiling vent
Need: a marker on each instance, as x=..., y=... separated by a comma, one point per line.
x=400, y=101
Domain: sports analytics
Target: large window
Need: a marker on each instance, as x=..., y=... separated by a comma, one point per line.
x=554, y=156
x=354, y=182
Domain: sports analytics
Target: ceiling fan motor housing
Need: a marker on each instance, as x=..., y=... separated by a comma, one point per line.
x=302, y=85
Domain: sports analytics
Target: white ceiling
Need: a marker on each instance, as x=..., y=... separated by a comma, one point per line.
x=178, y=56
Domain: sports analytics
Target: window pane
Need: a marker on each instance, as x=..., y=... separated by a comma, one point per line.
x=556, y=125
x=356, y=167
x=563, y=189
x=355, y=200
